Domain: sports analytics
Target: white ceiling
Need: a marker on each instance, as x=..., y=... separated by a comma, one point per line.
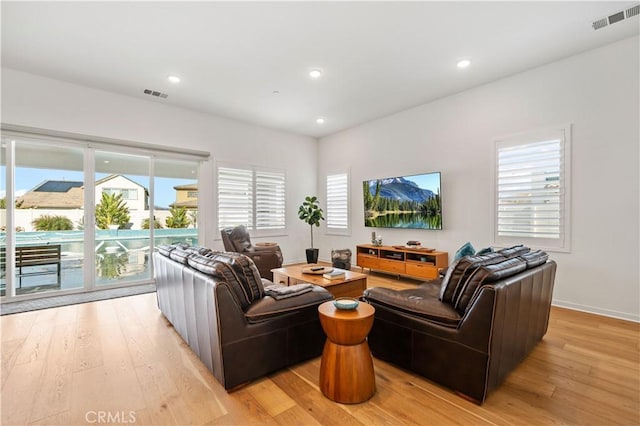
x=378, y=57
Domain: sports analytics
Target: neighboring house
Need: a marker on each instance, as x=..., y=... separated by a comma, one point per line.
x=186, y=196
x=60, y=194
x=54, y=194
x=134, y=195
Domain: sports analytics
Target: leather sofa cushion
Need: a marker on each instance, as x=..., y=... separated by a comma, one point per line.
x=419, y=302
x=236, y=269
x=179, y=255
x=535, y=258
x=199, y=250
x=164, y=249
x=268, y=307
x=484, y=275
x=460, y=270
x=514, y=251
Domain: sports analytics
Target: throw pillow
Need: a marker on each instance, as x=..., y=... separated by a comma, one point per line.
x=465, y=250
x=485, y=250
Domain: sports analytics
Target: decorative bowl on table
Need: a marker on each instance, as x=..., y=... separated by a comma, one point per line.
x=345, y=303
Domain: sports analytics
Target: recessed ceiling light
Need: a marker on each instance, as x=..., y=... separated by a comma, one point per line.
x=106, y=161
x=174, y=79
x=464, y=63
x=276, y=92
x=320, y=120
x=315, y=73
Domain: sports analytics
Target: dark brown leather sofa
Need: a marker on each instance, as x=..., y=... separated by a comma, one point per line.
x=218, y=304
x=266, y=258
x=472, y=327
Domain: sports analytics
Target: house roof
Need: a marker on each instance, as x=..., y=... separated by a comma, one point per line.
x=73, y=198
x=57, y=186
x=113, y=176
x=189, y=204
x=187, y=187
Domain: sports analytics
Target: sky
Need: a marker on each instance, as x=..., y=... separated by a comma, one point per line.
x=429, y=181
x=27, y=178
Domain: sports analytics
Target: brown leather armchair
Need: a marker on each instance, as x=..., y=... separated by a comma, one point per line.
x=266, y=258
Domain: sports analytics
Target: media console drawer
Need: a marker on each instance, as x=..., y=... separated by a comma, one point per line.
x=368, y=262
x=392, y=266
x=420, y=270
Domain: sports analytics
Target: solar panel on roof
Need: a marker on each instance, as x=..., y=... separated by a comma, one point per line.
x=58, y=186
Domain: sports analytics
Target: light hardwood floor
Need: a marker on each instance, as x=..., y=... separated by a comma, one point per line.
x=121, y=360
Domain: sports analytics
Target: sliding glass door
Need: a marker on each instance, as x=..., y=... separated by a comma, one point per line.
x=121, y=192
x=176, y=201
x=77, y=216
x=47, y=218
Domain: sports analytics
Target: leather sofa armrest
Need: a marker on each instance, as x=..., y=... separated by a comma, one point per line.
x=268, y=307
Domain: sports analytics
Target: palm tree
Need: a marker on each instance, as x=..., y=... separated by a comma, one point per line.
x=111, y=211
x=178, y=218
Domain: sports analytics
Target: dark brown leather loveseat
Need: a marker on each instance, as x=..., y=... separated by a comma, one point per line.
x=239, y=329
x=468, y=330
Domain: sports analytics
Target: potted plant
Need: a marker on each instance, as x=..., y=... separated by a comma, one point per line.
x=311, y=213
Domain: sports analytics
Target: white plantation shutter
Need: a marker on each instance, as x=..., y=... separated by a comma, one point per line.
x=531, y=190
x=338, y=202
x=270, y=200
x=235, y=197
x=252, y=197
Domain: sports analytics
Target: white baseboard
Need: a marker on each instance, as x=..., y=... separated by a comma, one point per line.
x=597, y=311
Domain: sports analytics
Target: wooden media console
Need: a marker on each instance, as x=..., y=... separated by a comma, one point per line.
x=412, y=262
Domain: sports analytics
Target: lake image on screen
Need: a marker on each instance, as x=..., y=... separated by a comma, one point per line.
x=403, y=202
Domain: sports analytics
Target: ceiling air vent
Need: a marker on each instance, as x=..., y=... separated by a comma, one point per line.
x=600, y=23
x=633, y=11
x=616, y=17
x=154, y=93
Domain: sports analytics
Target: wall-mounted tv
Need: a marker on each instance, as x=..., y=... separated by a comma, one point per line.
x=403, y=202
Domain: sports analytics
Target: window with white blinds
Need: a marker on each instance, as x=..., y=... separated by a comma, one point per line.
x=338, y=203
x=531, y=189
x=252, y=197
x=270, y=200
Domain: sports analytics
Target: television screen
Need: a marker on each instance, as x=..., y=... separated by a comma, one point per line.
x=403, y=202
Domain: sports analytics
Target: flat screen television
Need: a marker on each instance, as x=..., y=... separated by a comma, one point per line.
x=403, y=202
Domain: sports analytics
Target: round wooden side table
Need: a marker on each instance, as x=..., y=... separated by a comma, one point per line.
x=346, y=369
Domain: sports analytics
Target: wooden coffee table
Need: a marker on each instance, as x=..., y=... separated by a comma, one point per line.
x=352, y=285
x=346, y=369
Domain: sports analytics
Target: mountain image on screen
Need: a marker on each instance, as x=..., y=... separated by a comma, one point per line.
x=401, y=189
x=403, y=202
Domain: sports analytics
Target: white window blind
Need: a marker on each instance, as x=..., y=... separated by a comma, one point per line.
x=251, y=197
x=270, y=200
x=531, y=187
x=235, y=197
x=338, y=202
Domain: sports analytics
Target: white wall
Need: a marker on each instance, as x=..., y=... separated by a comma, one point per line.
x=596, y=91
x=35, y=101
